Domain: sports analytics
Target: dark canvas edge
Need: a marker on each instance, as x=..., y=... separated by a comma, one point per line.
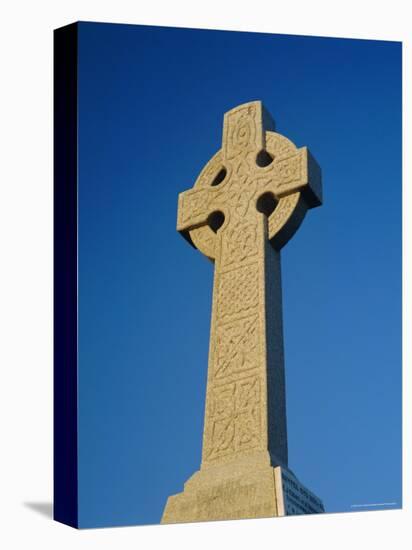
x=65, y=395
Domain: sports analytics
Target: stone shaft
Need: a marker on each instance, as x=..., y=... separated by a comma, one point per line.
x=245, y=400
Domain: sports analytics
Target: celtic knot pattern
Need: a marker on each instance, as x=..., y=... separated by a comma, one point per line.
x=283, y=211
x=193, y=204
x=238, y=290
x=279, y=146
x=235, y=417
x=236, y=347
x=240, y=131
x=289, y=170
x=239, y=243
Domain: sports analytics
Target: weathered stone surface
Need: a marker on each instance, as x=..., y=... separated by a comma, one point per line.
x=246, y=204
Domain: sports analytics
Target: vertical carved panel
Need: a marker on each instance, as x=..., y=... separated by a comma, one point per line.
x=235, y=408
x=238, y=291
x=236, y=347
x=234, y=417
x=242, y=131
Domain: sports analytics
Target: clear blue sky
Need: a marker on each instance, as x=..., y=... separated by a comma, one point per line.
x=151, y=102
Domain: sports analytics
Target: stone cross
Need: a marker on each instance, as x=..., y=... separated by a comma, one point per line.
x=246, y=204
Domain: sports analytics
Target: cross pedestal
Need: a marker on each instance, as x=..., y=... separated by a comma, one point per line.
x=246, y=204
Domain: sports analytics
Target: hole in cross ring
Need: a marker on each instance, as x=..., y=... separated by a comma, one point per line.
x=263, y=158
x=220, y=176
x=266, y=203
x=216, y=220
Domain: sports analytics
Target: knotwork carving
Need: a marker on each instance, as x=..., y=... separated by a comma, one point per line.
x=239, y=243
x=238, y=291
x=236, y=347
x=235, y=418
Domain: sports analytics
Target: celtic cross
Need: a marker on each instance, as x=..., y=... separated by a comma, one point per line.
x=246, y=204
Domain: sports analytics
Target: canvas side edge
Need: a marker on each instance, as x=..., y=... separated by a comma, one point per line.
x=65, y=295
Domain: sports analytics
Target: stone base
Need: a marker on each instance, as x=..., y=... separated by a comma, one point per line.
x=241, y=489
x=246, y=488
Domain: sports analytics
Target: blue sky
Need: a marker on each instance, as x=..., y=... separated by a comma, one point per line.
x=151, y=102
